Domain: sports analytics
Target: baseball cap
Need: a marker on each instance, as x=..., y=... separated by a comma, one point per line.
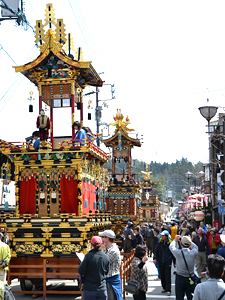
x=165, y=232
x=96, y=240
x=109, y=233
x=186, y=241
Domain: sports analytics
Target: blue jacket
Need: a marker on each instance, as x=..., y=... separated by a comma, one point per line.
x=163, y=254
x=221, y=251
x=80, y=135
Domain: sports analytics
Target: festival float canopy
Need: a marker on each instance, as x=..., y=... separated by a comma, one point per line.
x=196, y=201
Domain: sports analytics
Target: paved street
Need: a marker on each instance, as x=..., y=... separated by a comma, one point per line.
x=154, y=290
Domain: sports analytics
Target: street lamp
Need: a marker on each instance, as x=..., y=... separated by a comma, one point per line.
x=200, y=175
x=208, y=112
x=188, y=175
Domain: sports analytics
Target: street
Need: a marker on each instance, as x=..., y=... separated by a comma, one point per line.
x=154, y=288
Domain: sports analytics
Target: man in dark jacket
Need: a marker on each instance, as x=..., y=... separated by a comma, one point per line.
x=163, y=255
x=94, y=268
x=149, y=235
x=203, y=251
x=138, y=239
x=128, y=236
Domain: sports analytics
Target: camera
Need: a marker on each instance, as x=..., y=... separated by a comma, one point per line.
x=4, y=262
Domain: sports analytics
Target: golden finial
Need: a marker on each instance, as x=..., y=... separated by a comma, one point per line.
x=49, y=15
x=59, y=34
x=119, y=123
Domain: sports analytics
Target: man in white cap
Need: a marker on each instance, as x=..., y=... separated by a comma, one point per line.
x=190, y=251
x=164, y=256
x=113, y=277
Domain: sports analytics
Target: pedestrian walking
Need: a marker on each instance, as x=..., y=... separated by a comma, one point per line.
x=138, y=238
x=203, y=226
x=214, y=287
x=113, y=276
x=164, y=257
x=173, y=230
x=157, y=237
x=188, y=252
x=139, y=271
x=128, y=236
x=184, y=228
x=203, y=251
x=94, y=268
x=149, y=234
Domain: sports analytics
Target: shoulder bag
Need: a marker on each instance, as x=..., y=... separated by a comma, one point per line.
x=193, y=279
x=132, y=287
x=221, y=296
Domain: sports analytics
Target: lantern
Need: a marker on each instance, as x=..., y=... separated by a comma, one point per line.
x=199, y=215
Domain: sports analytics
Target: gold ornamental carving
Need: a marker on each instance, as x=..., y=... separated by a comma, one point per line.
x=66, y=249
x=33, y=248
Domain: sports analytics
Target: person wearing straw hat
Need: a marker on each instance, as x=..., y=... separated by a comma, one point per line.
x=94, y=268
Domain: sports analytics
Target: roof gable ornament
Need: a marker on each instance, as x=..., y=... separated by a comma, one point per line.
x=147, y=175
x=45, y=39
x=120, y=123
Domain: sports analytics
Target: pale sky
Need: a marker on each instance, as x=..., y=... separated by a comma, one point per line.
x=164, y=57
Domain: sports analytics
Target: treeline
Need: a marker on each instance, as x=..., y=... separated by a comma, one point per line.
x=169, y=177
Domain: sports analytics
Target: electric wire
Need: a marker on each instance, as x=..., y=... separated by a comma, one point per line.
x=82, y=32
x=17, y=77
x=15, y=80
x=86, y=28
x=2, y=48
x=12, y=94
x=32, y=9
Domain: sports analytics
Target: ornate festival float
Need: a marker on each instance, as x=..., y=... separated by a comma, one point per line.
x=60, y=188
x=149, y=210
x=124, y=194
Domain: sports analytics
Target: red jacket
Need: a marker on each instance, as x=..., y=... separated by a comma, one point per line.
x=217, y=239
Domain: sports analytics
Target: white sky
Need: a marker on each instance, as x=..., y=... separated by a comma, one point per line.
x=164, y=57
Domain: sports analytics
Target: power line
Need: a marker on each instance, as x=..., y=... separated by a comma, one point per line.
x=2, y=48
x=12, y=93
x=85, y=27
x=81, y=30
x=17, y=77
x=32, y=9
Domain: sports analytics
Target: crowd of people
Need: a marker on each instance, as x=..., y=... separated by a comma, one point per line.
x=189, y=249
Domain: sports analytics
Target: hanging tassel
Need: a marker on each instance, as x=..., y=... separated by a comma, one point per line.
x=85, y=204
x=39, y=156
